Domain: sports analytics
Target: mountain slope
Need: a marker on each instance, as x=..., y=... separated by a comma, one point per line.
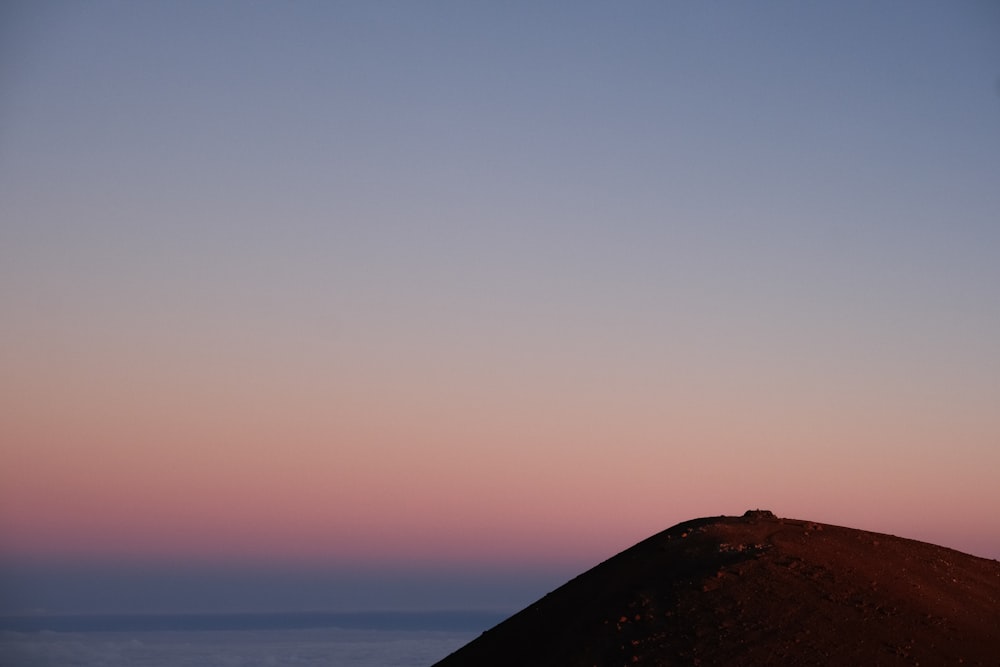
x=757, y=590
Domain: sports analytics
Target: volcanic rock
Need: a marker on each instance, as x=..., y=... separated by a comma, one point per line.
x=759, y=590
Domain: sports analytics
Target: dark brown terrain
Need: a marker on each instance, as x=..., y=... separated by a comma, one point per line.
x=759, y=590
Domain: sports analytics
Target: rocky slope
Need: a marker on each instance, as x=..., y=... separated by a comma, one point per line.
x=756, y=590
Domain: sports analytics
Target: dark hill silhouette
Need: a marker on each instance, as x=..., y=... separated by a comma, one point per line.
x=757, y=590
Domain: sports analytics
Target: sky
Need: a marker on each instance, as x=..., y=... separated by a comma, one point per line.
x=480, y=294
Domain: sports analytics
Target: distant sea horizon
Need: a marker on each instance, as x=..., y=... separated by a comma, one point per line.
x=467, y=620
x=239, y=639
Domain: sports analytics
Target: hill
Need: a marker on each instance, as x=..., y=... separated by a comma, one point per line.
x=757, y=590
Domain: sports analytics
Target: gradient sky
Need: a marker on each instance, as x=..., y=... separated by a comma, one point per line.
x=363, y=288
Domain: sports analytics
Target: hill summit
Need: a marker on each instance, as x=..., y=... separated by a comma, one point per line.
x=756, y=590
